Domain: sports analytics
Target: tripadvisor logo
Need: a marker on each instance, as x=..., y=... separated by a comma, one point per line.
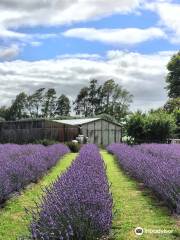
x=139, y=231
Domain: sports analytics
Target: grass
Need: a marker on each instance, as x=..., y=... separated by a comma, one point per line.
x=136, y=207
x=13, y=218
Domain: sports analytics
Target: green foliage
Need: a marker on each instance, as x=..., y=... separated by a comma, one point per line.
x=81, y=105
x=173, y=77
x=74, y=147
x=40, y=104
x=34, y=103
x=63, y=106
x=151, y=127
x=49, y=104
x=172, y=105
x=18, y=108
x=96, y=99
x=3, y=113
x=109, y=98
x=176, y=114
x=136, y=126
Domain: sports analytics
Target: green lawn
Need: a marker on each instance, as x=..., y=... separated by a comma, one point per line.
x=13, y=219
x=136, y=207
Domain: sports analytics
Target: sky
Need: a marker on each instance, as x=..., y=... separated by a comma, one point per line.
x=63, y=44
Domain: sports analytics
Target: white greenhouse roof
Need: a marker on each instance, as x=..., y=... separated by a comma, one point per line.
x=77, y=121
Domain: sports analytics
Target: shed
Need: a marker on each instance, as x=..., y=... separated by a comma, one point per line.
x=98, y=131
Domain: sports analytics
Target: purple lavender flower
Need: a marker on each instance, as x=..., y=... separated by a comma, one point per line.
x=79, y=204
x=156, y=165
x=22, y=164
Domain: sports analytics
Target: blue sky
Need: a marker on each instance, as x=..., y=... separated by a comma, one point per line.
x=65, y=43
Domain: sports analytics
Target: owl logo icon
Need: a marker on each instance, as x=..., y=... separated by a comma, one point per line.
x=139, y=231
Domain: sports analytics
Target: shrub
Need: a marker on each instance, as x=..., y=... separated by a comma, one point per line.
x=158, y=166
x=74, y=147
x=23, y=164
x=78, y=205
x=152, y=127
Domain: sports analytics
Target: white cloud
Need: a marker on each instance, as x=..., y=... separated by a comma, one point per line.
x=127, y=36
x=8, y=53
x=17, y=13
x=169, y=14
x=80, y=55
x=5, y=33
x=142, y=75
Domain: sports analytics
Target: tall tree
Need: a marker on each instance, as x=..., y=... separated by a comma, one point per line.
x=38, y=100
x=93, y=100
x=3, y=112
x=173, y=77
x=49, y=103
x=18, y=107
x=109, y=98
x=34, y=103
x=107, y=93
x=172, y=105
x=116, y=100
x=63, y=106
x=81, y=104
x=30, y=106
x=121, y=100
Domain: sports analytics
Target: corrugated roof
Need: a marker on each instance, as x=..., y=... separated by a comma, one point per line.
x=77, y=121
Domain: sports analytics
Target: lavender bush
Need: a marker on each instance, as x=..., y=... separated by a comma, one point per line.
x=22, y=164
x=78, y=205
x=171, y=151
x=156, y=165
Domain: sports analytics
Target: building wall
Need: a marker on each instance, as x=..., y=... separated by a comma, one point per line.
x=29, y=131
x=102, y=132
x=21, y=131
x=99, y=132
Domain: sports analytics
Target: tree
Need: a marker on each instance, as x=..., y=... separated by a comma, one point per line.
x=38, y=100
x=172, y=105
x=151, y=127
x=63, y=106
x=18, y=108
x=109, y=98
x=93, y=93
x=121, y=100
x=82, y=102
x=116, y=100
x=107, y=93
x=34, y=103
x=173, y=77
x=136, y=126
x=3, y=112
x=49, y=103
x=176, y=114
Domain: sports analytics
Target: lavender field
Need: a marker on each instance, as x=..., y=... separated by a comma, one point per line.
x=23, y=164
x=79, y=204
x=83, y=201
x=156, y=165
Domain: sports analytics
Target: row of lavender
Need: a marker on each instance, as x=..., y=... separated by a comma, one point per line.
x=78, y=205
x=22, y=164
x=156, y=165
